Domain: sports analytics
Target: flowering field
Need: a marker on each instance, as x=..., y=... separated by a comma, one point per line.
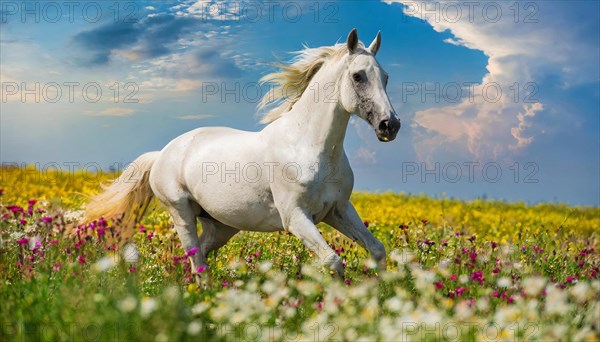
x=478, y=270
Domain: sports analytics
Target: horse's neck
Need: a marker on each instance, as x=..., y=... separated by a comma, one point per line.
x=317, y=118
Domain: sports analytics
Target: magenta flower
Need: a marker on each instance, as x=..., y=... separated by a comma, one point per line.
x=224, y=284
x=192, y=251
x=473, y=256
x=150, y=236
x=23, y=222
x=23, y=241
x=56, y=266
x=31, y=202
x=47, y=219
x=81, y=259
x=438, y=285
x=142, y=229
x=477, y=276
x=15, y=209
x=453, y=277
x=494, y=244
x=52, y=242
x=201, y=269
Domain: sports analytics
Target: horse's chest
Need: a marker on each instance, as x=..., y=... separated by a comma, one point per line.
x=328, y=187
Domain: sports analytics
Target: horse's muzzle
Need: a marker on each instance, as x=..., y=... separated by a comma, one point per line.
x=388, y=129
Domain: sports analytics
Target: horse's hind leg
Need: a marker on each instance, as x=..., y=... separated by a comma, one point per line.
x=184, y=214
x=214, y=235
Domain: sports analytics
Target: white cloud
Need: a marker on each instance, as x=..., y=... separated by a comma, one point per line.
x=196, y=117
x=213, y=10
x=519, y=53
x=113, y=111
x=366, y=155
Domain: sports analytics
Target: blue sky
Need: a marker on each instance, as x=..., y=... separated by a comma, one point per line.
x=446, y=60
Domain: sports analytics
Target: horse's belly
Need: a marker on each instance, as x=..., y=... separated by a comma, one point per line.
x=240, y=207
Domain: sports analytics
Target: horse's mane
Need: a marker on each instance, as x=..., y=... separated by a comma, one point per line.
x=290, y=82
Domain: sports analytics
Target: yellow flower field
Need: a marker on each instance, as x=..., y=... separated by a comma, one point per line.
x=476, y=270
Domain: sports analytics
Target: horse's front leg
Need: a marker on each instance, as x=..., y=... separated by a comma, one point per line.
x=299, y=224
x=345, y=219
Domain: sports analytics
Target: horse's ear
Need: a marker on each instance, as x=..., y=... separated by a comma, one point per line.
x=376, y=44
x=352, y=41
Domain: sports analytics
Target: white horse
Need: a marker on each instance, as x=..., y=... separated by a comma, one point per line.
x=289, y=176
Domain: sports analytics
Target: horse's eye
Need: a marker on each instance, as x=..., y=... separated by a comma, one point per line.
x=357, y=77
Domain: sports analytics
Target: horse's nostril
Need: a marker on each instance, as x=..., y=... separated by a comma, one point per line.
x=383, y=125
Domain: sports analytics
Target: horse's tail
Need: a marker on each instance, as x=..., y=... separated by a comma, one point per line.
x=127, y=198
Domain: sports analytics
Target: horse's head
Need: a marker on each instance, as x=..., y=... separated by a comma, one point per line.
x=363, y=91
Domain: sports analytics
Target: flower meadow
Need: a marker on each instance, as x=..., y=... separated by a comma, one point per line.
x=476, y=270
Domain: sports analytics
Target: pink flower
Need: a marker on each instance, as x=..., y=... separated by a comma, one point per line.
x=150, y=236
x=15, y=209
x=473, y=256
x=56, y=266
x=192, y=251
x=23, y=222
x=438, y=285
x=142, y=229
x=31, y=202
x=347, y=281
x=459, y=291
x=52, y=242
x=81, y=259
x=453, y=277
x=319, y=306
x=132, y=269
x=23, y=241
x=224, y=284
x=201, y=269
x=477, y=276
x=47, y=219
